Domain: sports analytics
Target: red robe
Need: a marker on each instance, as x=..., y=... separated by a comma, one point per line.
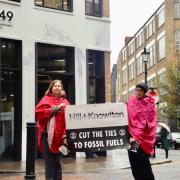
x=43, y=111
x=142, y=122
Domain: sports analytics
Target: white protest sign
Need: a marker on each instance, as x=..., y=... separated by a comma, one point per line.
x=96, y=126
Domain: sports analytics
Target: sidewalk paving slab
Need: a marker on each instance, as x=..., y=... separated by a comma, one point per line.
x=79, y=168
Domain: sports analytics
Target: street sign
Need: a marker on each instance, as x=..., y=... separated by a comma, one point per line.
x=96, y=127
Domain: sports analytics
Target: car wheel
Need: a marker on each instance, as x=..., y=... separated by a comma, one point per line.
x=174, y=145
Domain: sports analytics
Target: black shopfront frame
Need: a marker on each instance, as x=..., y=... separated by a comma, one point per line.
x=14, y=89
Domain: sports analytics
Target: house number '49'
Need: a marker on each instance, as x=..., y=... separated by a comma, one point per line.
x=8, y=15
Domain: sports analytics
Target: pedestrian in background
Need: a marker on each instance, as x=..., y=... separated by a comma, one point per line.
x=165, y=142
x=142, y=125
x=52, y=128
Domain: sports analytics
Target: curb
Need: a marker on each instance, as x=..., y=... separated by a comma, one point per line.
x=125, y=167
x=10, y=171
x=161, y=162
x=152, y=163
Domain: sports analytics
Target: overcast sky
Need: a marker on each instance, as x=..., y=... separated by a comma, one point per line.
x=127, y=17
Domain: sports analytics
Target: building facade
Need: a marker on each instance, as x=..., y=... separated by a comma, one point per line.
x=42, y=40
x=113, y=83
x=160, y=35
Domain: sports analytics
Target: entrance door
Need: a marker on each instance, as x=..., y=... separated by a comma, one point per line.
x=55, y=62
x=10, y=99
x=96, y=77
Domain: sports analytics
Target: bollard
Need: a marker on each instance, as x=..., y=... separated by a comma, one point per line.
x=31, y=150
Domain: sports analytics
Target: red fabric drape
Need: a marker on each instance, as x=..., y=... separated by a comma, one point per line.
x=43, y=111
x=141, y=112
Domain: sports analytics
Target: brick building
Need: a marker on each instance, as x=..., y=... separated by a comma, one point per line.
x=160, y=35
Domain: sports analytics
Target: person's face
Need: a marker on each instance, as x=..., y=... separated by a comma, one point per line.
x=56, y=89
x=139, y=93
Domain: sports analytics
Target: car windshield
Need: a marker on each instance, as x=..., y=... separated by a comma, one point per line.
x=176, y=135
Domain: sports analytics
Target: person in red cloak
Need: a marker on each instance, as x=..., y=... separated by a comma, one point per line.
x=52, y=128
x=142, y=123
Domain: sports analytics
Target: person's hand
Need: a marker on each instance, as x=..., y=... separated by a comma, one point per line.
x=131, y=140
x=62, y=105
x=65, y=141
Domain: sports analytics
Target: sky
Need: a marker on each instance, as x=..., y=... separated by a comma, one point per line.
x=127, y=17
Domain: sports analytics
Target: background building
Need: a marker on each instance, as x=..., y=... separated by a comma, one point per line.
x=42, y=40
x=160, y=34
x=113, y=83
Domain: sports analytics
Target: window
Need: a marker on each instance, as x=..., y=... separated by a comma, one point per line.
x=161, y=18
x=176, y=9
x=131, y=70
x=96, y=77
x=124, y=76
x=163, y=111
x=162, y=79
x=161, y=48
x=140, y=65
x=177, y=40
x=131, y=48
x=94, y=8
x=150, y=29
x=124, y=97
x=151, y=60
x=65, y=5
x=123, y=55
x=15, y=0
x=131, y=92
x=140, y=39
x=152, y=83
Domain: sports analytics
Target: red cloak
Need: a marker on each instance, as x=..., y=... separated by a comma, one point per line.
x=43, y=111
x=142, y=122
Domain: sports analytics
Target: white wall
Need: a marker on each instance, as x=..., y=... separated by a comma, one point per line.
x=35, y=24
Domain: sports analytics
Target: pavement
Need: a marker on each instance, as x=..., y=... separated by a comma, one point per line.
x=81, y=168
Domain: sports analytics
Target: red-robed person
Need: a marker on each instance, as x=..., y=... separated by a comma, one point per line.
x=142, y=124
x=52, y=128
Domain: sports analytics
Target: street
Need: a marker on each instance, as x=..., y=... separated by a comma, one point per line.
x=164, y=171
x=114, y=167
x=168, y=171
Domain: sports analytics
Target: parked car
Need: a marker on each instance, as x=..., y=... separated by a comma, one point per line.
x=158, y=137
x=175, y=139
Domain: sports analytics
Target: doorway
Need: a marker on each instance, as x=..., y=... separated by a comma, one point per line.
x=55, y=62
x=10, y=99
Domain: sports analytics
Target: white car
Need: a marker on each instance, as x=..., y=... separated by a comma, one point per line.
x=175, y=139
x=158, y=137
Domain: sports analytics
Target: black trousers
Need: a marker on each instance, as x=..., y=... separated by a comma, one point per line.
x=140, y=165
x=53, y=169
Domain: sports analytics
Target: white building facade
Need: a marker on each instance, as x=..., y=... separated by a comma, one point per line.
x=42, y=40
